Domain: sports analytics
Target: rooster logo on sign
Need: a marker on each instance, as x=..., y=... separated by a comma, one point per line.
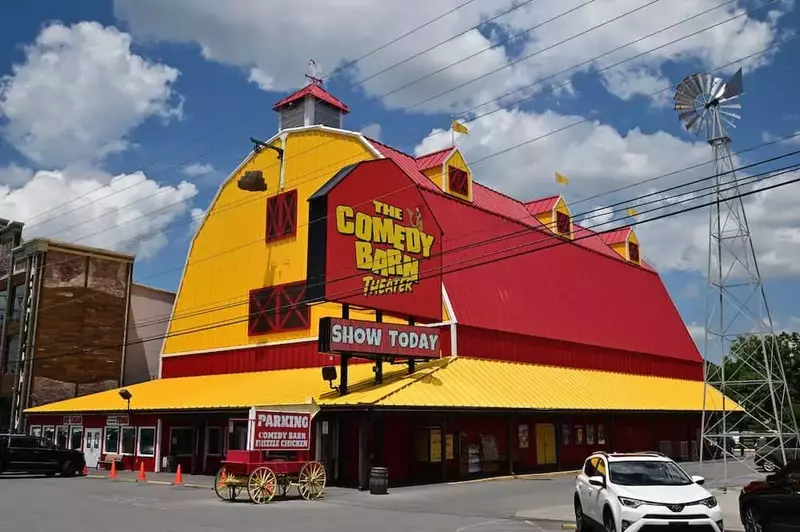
x=415, y=217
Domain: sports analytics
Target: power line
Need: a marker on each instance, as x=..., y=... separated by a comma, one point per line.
x=338, y=163
x=420, y=103
x=258, y=196
x=527, y=230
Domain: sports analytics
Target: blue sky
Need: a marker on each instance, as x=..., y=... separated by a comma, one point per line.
x=167, y=89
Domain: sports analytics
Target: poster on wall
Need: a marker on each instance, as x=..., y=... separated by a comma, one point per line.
x=379, y=254
x=282, y=431
x=436, y=445
x=449, y=453
x=590, y=434
x=523, y=435
x=578, y=434
x=601, y=434
x=566, y=435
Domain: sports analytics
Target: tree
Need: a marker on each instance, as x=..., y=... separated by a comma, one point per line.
x=747, y=346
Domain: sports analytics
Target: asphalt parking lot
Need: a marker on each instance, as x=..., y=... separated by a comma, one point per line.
x=100, y=505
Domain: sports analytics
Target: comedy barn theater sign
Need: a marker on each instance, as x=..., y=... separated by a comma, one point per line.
x=374, y=243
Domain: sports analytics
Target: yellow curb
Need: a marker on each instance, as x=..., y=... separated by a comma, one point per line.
x=569, y=526
x=554, y=474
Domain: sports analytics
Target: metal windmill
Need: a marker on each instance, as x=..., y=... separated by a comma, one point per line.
x=750, y=373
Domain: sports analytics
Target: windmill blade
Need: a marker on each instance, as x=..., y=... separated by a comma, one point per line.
x=685, y=99
x=727, y=105
x=695, y=84
x=685, y=93
x=708, y=79
x=729, y=122
x=692, y=122
x=716, y=88
x=686, y=114
x=734, y=86
x=732, y=115
x=683, y=107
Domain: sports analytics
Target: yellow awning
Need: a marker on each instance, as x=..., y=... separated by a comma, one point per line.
x=445, y=383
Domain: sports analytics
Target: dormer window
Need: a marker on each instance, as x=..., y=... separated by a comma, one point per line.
x=458, y=180
x=633, y=252
x=562, y=223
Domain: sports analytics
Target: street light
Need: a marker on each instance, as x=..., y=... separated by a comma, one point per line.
x=126, y=396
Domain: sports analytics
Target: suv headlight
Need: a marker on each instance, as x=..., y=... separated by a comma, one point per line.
x=711, y=502
x=631, y=503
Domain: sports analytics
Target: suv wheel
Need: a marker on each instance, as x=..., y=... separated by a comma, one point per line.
x=752, y=519
x=67, y=470
x=580, y=523
x=608, y=521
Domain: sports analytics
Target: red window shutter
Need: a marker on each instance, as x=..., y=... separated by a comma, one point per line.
x=458, y=180
x=278, y=308
x=633, y=252
x=562, y=222
x=282, y=215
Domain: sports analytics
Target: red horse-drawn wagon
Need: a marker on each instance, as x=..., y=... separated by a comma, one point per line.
x=275, y=460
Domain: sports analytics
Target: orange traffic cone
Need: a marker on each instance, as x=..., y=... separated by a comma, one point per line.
x=113, y=473
x=178, y=477
x=141, y=477
x=85, y=470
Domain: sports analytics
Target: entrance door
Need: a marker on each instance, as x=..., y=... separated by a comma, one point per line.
x=91, y=447
x=328, y=446
x=545, y=443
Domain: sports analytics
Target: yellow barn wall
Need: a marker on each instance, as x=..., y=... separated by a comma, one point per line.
x=457, y=160
x=621, y=248
x=229, y=256
x=435, y=175
x=546, y=218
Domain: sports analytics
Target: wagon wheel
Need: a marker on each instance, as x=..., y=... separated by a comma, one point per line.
x=311, y=482
x=223, y=489
x=262, y=485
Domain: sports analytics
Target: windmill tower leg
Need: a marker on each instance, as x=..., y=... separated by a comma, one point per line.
x=750, y=373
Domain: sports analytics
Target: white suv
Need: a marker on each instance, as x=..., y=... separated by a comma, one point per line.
x=629, y=492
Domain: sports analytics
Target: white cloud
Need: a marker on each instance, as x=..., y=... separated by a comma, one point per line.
x=197, y=169
x=197, y=216
x=698, y=333
x=372, y=131
x=238, y=34
x=108, y=213
x=79, y=92
x=74, y=99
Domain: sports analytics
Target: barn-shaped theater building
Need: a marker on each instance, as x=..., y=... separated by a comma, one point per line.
x=543, y=341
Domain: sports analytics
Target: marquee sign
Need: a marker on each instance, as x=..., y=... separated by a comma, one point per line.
x=282, y=431
x=374, y=243
x=367, y=337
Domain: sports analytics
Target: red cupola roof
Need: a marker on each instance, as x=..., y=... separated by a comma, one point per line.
x=313, y=89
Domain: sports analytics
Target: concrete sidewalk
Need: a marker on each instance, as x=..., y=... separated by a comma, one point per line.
x=564, y=513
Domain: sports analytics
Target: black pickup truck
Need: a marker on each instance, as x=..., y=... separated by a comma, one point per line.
x=31, y=454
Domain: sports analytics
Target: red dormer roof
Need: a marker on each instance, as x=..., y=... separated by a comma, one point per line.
x=316, y=90
x=434, y=159
x=618, y=236
x=539, y=206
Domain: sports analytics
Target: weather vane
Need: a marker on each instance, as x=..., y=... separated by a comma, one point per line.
x=312, y=72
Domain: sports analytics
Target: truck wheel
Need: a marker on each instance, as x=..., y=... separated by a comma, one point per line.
x=67, y=470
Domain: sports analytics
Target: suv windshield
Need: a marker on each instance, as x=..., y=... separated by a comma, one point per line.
x=647, y=473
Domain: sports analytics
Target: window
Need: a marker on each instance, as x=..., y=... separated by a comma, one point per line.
x=633, y=252
x=180, y=441
x=562, y=223
x=278, y=308
x=458, y=180
x=566, y=435
x=76, y=438
x=128, y=440
x=214, y=441
x=648, y=473
x=23, y=442
x=147, y=441
x=49, y=433
x=589, y=468
x=238, y=435
x=62, y=437
x=281, y=215
x=590, y=434
x=578, y=434
x=36, y=431
x=112, y=440
x=601, y=434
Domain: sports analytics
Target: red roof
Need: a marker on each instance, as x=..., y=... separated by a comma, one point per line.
x=618, y=236
x=432, y=160
x=509, y=276
x=316, y=90
x=406, y=162
x=542, y=205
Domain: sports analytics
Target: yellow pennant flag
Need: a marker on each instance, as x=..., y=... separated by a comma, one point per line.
x=458, y=127
x=561, y=179
x=632, y=211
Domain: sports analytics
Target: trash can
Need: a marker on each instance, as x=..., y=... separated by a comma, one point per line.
x=379, y=481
